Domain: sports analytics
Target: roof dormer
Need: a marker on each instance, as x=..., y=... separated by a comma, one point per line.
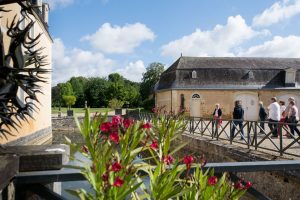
x=290, y=77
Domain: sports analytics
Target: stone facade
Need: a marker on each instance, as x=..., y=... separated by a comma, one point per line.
x=197, y=84
x=208, y=98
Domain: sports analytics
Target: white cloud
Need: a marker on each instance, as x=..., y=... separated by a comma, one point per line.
x=116, y=39
x=279, y=11
x=59, y=3
x=277, y=47
x=217, y=42
x=77, y=62
x=133, y=71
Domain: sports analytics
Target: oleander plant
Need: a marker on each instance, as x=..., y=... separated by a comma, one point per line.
x=129, y=159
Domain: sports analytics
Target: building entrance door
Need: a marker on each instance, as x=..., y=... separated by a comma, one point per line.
x=195, y=106
x=250, y=105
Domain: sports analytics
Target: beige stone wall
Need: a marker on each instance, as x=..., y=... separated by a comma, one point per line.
x=208, y=99
x=42, y=119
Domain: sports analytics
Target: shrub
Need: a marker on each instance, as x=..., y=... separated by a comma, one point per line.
x=115, y=104
x=115, y=173
x=69, y=100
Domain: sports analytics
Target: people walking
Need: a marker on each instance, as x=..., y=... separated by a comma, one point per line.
x=238, y=117
x=274, y=116
x=293, y=118
x=282, y=117
x=262, y=116
x=217, y=114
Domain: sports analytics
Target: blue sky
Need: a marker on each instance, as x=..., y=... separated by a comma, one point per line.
x=99, y=37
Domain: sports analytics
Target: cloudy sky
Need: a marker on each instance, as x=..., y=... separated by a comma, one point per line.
x=99, y=37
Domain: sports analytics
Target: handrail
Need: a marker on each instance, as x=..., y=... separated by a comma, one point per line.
x=64, y=175
x=254, y=135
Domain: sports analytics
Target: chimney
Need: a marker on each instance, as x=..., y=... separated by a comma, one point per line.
x=290, y=77
x=45, y=11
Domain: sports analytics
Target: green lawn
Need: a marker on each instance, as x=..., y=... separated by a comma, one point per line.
x=80, y=110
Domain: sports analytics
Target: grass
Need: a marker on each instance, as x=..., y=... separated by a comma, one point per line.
x=80, y=110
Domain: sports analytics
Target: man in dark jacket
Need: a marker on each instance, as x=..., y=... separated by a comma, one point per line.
x=238, y=117
x=262, y=116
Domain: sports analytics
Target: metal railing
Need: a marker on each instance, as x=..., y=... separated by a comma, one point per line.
x=257, y=134
x=35, y=181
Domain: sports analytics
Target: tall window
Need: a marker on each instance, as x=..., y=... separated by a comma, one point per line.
x=194, y=74
x=182, y=101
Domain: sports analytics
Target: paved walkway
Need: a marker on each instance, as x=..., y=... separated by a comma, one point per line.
x=265, y=144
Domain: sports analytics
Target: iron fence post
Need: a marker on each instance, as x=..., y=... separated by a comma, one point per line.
x=280, y=139
x=231, y=136
x=248, y=134
x=255, y=135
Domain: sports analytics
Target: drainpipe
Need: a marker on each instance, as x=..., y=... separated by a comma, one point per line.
x=171, y=100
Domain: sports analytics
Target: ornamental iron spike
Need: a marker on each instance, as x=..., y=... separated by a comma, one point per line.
x=21, y=68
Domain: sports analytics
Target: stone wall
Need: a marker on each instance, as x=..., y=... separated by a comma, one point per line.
x=171, y=99
x=276, y=185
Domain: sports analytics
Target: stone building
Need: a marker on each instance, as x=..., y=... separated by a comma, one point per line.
x=37, y=130
x=198, y=83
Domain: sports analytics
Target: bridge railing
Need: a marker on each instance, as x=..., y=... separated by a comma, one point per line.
x=256, y=134
x=35, y=181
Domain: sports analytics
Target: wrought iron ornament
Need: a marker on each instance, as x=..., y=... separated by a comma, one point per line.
x=21, y=69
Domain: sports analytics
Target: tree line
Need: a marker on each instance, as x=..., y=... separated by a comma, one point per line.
x=98, y=91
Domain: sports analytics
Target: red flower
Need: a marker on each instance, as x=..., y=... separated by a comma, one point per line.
x=105, y=176
x=146, y=126
x=238, y=185
x=118, y=182
x=116, y=120
x=114, y=137
x=188, y=160
x=212, y=180
x=248, y=185
x=116, y=167
x=168, y=159
x=105, y=127
x=154, y=145
x=127, y=122
x=84, y=149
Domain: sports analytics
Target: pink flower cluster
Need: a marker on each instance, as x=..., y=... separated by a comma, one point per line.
x=115, y=167
x=112, y=127
x=188, y=160
x=240, y=186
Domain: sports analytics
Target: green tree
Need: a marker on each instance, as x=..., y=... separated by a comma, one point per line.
x=69, y=100
x=78, y=85
x=150, y=78
x=95, y=91
x=60, y=90
x=55, y=97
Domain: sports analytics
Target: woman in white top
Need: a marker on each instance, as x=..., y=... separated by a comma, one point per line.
x=293, y=118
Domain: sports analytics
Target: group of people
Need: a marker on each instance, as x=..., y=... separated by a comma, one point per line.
x=279, y=112
x=275, y=112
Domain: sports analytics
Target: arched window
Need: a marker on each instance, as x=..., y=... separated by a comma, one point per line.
x=194, y=74
x=196, y=96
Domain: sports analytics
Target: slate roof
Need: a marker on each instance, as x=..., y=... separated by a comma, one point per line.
x=229, y=73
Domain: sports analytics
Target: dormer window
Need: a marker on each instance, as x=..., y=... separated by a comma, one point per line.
x=194, y=74
x=250, y=75
x=290, y=77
